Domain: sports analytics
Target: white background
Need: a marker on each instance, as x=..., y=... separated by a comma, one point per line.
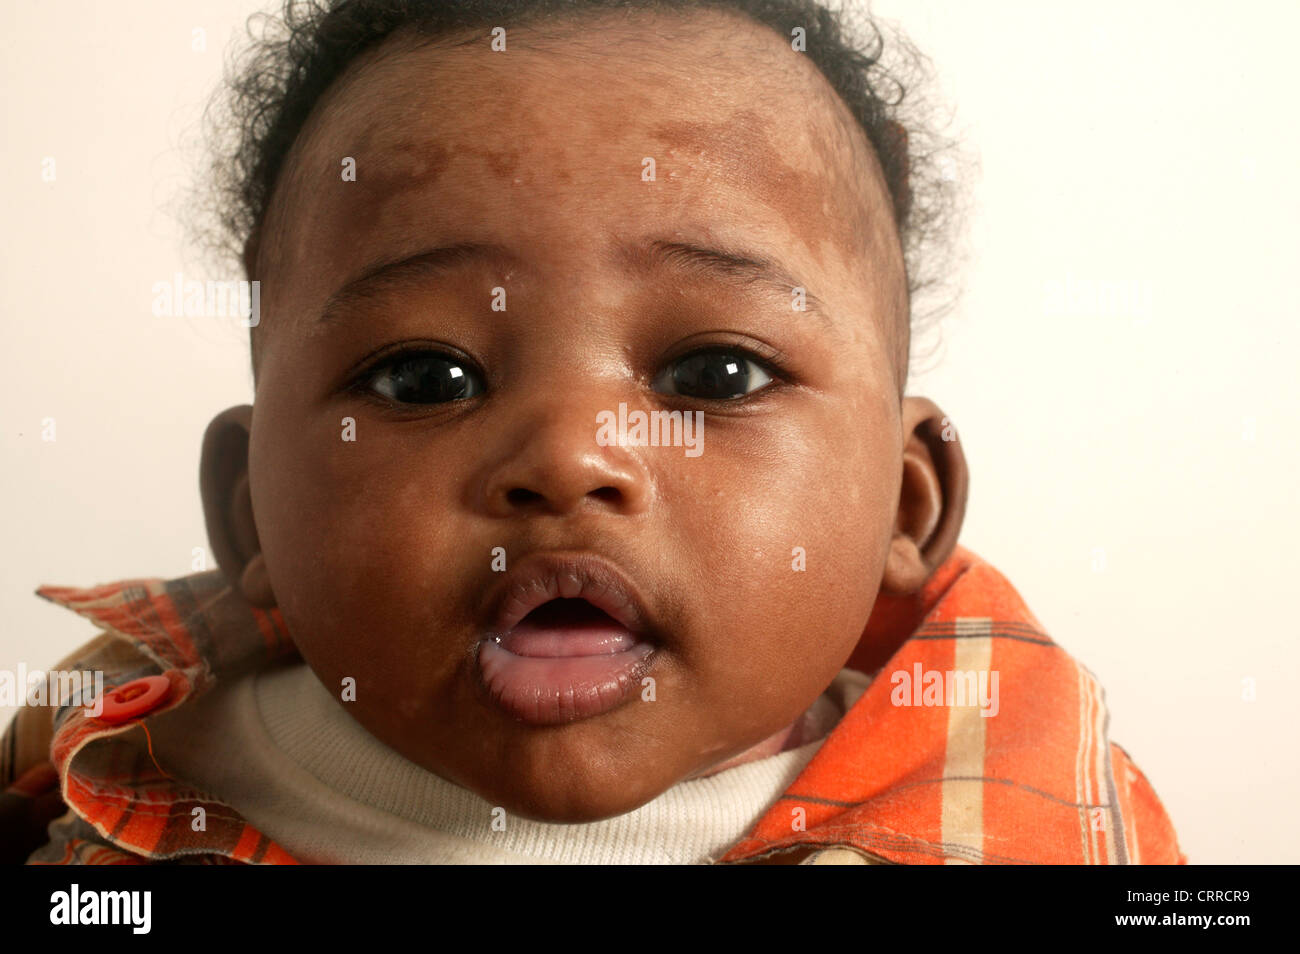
x=1133, y=459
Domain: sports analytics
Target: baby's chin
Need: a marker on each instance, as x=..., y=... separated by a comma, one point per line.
x=585, y=771
x=560, y=803
x=574, y=793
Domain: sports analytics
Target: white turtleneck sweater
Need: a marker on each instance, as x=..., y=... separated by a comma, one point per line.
x=278, y=748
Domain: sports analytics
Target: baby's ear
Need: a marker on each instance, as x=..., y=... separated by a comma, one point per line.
x=228, y=505
x=932, y=498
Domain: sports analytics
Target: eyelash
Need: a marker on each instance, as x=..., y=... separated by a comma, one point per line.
x=767, y=360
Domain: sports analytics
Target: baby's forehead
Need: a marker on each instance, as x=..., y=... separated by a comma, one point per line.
x=717, y=122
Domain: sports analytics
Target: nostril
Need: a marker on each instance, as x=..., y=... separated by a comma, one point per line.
x=522, y=496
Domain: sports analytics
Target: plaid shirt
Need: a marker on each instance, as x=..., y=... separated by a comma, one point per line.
x=1038, y=781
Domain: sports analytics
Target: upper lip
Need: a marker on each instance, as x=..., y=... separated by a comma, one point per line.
x=541, y=577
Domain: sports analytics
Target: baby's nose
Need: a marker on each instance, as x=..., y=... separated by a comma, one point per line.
x=553, y=464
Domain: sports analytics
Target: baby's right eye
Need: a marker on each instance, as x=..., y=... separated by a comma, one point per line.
x=425, y=377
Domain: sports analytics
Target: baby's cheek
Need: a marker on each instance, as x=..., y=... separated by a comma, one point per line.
x=811, y=513
x=357, y=538
x=797, y=531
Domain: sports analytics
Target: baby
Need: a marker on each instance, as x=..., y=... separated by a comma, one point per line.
x=580, y=514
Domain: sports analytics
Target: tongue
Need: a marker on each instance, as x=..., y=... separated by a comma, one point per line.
x=566, y=627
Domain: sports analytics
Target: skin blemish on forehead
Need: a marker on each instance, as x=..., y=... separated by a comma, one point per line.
x=413, y=165
x=407, y=165
x=391, y=169
x=503, y=162
x=390, y=166
x=742, y=150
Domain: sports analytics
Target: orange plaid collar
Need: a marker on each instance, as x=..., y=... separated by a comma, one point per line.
x=1023, y=772
x=980, y=740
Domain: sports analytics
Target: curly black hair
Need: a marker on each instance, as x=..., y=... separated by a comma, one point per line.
x=293, y=58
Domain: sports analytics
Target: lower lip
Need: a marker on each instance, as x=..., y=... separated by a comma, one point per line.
x=562, y=675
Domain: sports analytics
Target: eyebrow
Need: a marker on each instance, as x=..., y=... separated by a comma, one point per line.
x=733, y=266
x=409, y=272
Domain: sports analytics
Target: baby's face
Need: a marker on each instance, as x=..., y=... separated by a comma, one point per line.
x=737, y=579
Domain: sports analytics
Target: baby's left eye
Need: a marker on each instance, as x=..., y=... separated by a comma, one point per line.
x=717, y=374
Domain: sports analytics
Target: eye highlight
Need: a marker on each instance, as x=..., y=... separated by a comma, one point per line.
x=422, y=377
x=713, y=374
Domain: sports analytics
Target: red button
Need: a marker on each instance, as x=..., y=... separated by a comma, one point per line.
x=134, y=698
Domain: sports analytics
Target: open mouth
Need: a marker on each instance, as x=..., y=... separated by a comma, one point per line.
x=566, y=659
x=567, y=627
